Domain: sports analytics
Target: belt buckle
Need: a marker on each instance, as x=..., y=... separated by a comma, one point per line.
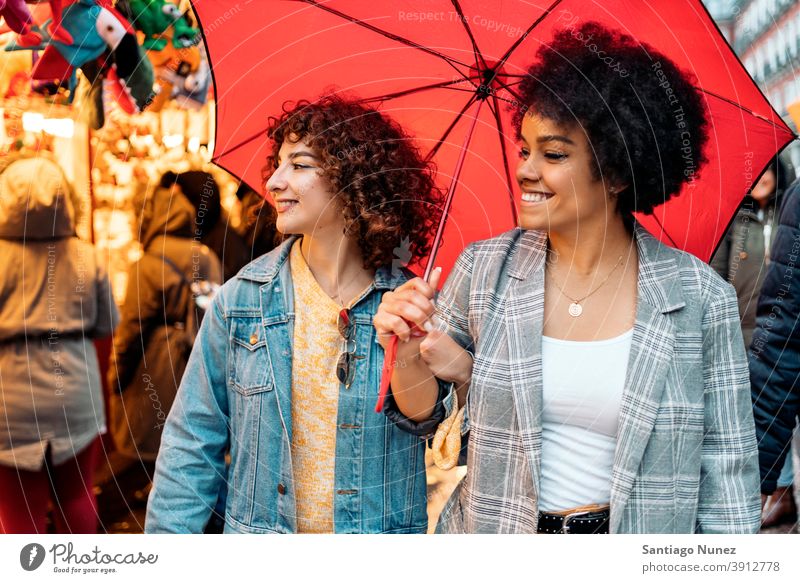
x=568, y=517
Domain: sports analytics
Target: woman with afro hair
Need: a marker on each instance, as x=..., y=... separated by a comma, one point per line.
x=601, y=376
x=286, y=368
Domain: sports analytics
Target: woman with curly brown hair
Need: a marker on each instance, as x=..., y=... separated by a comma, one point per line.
x=286, y=367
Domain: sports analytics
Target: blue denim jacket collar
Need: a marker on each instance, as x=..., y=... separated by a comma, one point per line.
x=267, y=267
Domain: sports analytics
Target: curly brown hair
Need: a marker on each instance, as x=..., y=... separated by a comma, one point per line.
x=384, y=186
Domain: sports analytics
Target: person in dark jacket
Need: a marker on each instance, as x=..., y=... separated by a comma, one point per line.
x=152, y=343
x=743, y=254
x=211, y=224
x=775, y=350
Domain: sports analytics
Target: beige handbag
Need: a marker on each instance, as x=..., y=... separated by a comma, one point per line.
x=447, y=440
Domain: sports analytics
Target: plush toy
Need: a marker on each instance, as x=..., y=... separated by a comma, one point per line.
x=55, y=30
x=79, y=19
x=43, y=36
x=191, y=91
x=173, y=67
x=155, y=17
x=131, y=74
x=19, y=19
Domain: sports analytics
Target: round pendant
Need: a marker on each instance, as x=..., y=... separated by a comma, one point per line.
x=575, y=310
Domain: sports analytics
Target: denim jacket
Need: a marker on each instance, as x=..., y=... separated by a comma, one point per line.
x=235, y=397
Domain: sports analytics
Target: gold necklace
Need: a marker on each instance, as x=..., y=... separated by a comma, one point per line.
x=575, y=308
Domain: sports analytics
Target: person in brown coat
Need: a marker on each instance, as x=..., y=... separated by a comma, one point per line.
x=55, y=298
x=153, y=341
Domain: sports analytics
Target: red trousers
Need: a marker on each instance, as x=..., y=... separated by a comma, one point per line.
x=25, y=496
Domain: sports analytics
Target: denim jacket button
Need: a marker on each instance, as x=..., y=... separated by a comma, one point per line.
x=281, y=489
x=253, y=338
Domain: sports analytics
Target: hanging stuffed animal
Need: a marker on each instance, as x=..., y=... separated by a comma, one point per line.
x=191, y=92
x=59, y=60
x=79, y=20
x=131, y=72
x=155, y=17
x=19, y=19
x=56, y=30
x=174, y=67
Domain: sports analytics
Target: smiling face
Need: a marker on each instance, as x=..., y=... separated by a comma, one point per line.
x=559, y=189
x=303, y=197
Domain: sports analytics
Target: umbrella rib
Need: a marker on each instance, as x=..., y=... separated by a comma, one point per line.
x=479, y=60
x=390, y=35
x=437, y=238
x=508, y=88
x=241, y=144
x=443, y=85
x=404, y=92
x=513, y=47
x=449, y=129
x=664, y=230
x=500, y=133
x=743, y=108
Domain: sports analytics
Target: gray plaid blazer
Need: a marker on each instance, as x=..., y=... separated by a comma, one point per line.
x=686, y=458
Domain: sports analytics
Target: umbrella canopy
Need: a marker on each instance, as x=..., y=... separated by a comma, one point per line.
x=436, y=67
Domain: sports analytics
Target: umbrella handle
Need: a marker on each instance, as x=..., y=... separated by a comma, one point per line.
x=386, y=375
x=390, y=355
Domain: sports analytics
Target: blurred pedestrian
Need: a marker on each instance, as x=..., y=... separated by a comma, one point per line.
x=212, y=223
x=743, y=254
x=55, y=298
x=154, y=339
x=775, y=365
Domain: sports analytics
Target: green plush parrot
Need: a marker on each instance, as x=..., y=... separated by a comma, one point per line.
x=154, y=17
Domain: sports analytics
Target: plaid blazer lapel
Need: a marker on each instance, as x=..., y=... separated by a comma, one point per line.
x=652, y=349
x=523, y=317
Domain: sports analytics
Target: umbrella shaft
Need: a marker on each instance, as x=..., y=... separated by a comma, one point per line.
x=437, y=240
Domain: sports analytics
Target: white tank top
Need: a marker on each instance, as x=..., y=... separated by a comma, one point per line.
x=582, y=389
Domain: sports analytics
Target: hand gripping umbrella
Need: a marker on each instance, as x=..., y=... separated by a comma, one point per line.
x=448, y=71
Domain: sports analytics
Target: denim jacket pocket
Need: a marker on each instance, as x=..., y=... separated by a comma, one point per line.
x=249, y=370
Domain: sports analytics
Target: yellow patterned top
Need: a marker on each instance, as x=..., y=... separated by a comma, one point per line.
x=315, y=397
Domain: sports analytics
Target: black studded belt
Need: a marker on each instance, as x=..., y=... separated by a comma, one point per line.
x=577, y=521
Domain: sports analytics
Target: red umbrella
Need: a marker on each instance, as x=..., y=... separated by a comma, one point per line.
x=447, y=71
